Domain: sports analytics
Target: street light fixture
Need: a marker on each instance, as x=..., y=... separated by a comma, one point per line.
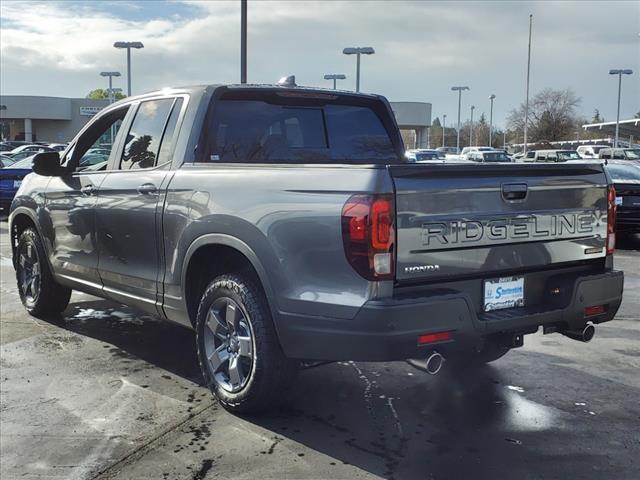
x=358, y=51
x=444, y=120
x=334, y=77
x=459, y=90
x=110, y=90
x=473, y=107
x=619, y=72
x=491, y=97
x=128, y=46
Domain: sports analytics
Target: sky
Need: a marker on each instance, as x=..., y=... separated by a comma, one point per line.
x=422, y=48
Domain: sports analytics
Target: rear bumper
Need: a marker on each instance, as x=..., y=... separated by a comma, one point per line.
x=389, y=330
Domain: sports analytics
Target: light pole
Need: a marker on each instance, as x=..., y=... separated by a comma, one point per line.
x=110, y=90
x=471, y=128
x=334, y=77
x=526, y=105
x=243, y=41
x=491, y=97
x=358, y=51
x=459, y=90
x=619, y=72
x=128, y=46
x=444, y=120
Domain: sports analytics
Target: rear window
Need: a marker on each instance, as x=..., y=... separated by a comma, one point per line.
x=624, y=173
x=256, y=131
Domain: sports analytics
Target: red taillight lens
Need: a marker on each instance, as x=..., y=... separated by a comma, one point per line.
x=368, y=235
x=434, y=337
x=594, y=310
x=611, y=220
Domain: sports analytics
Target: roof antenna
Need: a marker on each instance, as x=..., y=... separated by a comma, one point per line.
x=288, y=81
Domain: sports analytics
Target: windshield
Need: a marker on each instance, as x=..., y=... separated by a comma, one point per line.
x=633, y=153
x=569, y=155
x=495, y=157
x=624, y=173
x=24, y=163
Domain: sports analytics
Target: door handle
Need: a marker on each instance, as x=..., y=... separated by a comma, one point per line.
x=147, y=189
x=87, y=190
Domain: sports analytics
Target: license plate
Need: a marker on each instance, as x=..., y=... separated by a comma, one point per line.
x=618, y=200
x=17, y=183
x=506, y=292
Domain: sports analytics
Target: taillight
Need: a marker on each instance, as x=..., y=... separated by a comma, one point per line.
x=368, y=235
x=611, y=220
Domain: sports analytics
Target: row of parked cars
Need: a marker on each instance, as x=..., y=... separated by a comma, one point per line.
x=583, y=152
x=477, y=154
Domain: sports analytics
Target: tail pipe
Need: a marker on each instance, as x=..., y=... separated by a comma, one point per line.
x=584, y=335
x=432, y=364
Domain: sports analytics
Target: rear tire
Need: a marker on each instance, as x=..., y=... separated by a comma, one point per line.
x=39, y=292
x=239, y=353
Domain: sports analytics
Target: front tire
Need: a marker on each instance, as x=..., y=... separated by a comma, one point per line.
x=39, y=292
x=238, y=349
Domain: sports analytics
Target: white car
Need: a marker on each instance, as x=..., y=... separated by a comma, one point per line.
x=590, y=151
x=466, y=150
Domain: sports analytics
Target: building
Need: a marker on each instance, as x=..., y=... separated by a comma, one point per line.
x=57, y=120
x=48, y=119
x=414, y=120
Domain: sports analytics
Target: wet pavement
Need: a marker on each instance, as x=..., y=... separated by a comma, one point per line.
x=103, y=392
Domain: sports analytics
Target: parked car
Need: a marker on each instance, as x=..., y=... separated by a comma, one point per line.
x=465, y=151
x=555, y=155
x=286, y=226
x=626, y=180
x=448, y=150
x=58, y=147
x=590, y=151
x=5, y=147
x=524, y=157
x=619, y=154
x=11, y=178
x=424, y=155
x=25, y=151
x=490, y=156
x=9, y=145
x=6, y=161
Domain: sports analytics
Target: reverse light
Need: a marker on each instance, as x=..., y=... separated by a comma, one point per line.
x=611, y=219
x=434, y=337
x=368, y=235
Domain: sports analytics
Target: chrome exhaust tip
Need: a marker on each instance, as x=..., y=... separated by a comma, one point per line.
x=585, y=335
x=432, y=364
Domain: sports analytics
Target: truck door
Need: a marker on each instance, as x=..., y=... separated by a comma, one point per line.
x=129, y=206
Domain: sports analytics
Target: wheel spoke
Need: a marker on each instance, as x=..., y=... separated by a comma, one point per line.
x=230, y=316
x=217, y=326
x=235, y=376
x=246, y=348
x=218, y=357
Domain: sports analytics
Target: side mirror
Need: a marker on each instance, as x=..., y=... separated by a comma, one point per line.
x=47, y=164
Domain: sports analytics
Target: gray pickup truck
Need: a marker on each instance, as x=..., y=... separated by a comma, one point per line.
x=286, y=227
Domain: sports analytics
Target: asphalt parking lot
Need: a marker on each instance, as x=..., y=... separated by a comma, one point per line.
x=106, y=393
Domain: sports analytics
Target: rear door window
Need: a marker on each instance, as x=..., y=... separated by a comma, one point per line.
x=256, y=131
x=142, y=144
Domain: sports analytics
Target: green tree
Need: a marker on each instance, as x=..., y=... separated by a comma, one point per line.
x=101, y=94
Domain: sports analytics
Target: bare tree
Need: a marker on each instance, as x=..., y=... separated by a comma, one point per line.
x=552, y=116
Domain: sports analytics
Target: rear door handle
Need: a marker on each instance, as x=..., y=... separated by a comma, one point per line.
x=87, y=190
x=147, y=189
x=514, y=191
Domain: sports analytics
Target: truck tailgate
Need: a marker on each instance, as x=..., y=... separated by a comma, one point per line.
x=481, y=220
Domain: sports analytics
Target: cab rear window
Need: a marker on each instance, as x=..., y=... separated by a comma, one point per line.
x=259, y=131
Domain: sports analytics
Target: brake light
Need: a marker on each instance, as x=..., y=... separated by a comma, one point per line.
x=368, y=235
x=611, y=219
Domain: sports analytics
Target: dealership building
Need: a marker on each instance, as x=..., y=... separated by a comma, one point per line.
x=57, y=120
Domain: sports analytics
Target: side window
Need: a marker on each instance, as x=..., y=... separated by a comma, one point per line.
x=606, y=154
x=142, y=144
x=552, y=156
x=93, y=148
x=170, y=133
x=618, y=155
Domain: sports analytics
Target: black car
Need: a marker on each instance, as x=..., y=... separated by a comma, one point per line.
x=626, y=179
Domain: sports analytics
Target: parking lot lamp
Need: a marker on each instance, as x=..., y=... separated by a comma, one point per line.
x=357, y=51
x=473, y=107
x=334, y=77
x=128, y=46
x=526, y=104
x=110, y=90
x=491, y=97
x=444, y=120
x=619, y=72
x=459, y=90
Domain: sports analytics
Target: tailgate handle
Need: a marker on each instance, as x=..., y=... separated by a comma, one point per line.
x=514, y=191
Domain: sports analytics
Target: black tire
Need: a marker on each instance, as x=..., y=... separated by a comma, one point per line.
x=270, y=373
x=491, y=351
x=42, y=296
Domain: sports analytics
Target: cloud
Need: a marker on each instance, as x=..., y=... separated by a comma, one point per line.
x=422, y=48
